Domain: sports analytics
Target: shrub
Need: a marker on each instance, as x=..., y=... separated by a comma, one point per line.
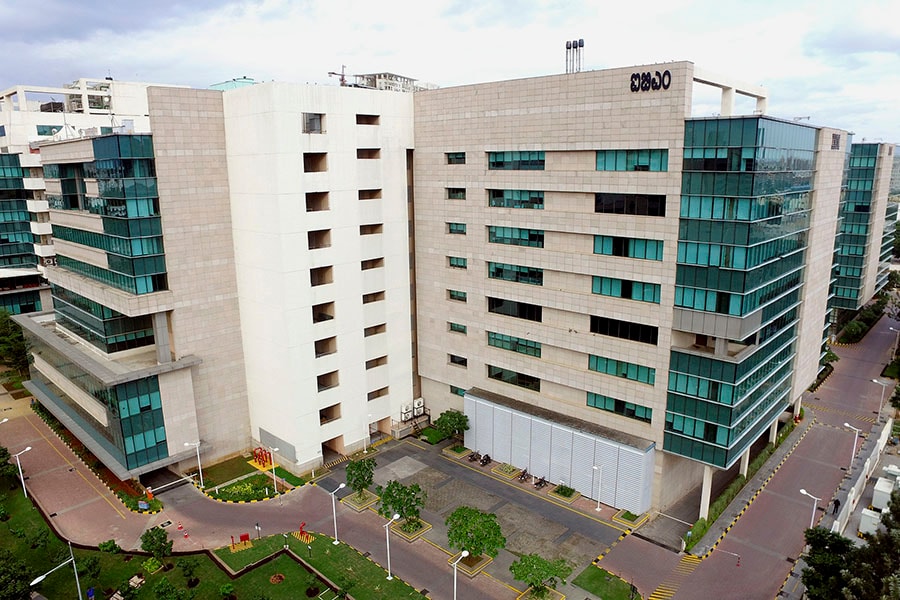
x=433, y=435
x=151, y=565
x=109, y=546
x=564, y=491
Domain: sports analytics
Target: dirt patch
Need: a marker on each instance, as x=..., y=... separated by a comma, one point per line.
x=276, y=578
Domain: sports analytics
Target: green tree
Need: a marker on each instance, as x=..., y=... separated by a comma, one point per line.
x=166, y=590
x=540, y=574
x=189, y=568
x=13, y=348
x=89, y=567
x=452, y=423
x=404, y=500
x=226, y=590
x=830, y=357
x=7, y=469
x=15, y=576
x=156, y=542
x=897, y=239
x=828, y=554
x=476, y=531
x=360, y=475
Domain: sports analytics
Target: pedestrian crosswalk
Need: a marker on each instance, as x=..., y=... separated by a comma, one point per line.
x=670, y=584
x=845, y=413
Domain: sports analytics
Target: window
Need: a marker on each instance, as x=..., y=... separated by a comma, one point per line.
x=457, y=390
x=457, y=328
x=632, y=160
x=457, y=295
x=2, y=130
x=516, y=237
x=835, y=141
x=372, y=263
x=456, y=158
x=628, y=247
x=511, y=308
x=315, y=162
x=456, y=228
x=326, y=346
x=371, y=229
x=374, y=330
x=329, y=413
x=319, y=239
x=620, y=368
x=516, y=199
x=620, y=407
x=321, y=276
x=327, y=381
x=516, y=273
x=323, y=312
x=368, y=153
x=313, y=123
x=651, y=205
x=457, y=262
x=376, y=362
x=623, y=288
x=316, y=201
x=626, y=330
x=456, y=193
x=373, y=297
x=48, y=129
x=380, y=392
x=528, y=160
x=459, y=361
x=514, y=344
x=369, y=194
x=368, y=119
x=519, y=379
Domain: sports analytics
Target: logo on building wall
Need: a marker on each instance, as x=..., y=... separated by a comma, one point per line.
x=646, y=81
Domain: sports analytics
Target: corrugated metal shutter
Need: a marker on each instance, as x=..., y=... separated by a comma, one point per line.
x=606, y=455
x=582, y=464
x=470, y=408
x=485, y=433
x=502, y=434
x=540, y=448
x=630, y=484
x=521, y=441
x=561, y=455
x=648, y=459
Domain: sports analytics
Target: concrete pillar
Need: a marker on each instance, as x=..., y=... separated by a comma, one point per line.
x=773, y=432
x=721, y=346
x=762, y=105
x=797, y=406
x=706, y=491
x=745, y=462
x=161, y=338
x=727, y=102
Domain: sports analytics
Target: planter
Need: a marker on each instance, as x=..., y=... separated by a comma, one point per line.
x=449, y=451
x=360, y=504
x=550, y=595
x=506, y=470
x=471, y=565
x=410, y=537
x=567, y=499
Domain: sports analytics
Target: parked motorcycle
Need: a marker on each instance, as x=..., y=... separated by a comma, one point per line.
x=485, y=460
x=474, y=456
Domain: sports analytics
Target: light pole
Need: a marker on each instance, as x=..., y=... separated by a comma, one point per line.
x=199, y=466
x=599, y=483
x=334, y=511
x=852, y=450
x=74, y=568
x=896, y=341
x=4, y=421
x=881, y=402
x=387, y=540
x=462, y=555
x=812, y=519
x=19, y=462
x=274, y=481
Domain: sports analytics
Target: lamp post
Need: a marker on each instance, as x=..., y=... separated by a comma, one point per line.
x=881, y=402
x=4, y=421
x=334, y=511
x=274, y=481
x=812, y=519
x=74, y=568
x=19, y=462
x=199, y=466
x=387, y=540
x=462, y=555
x=896, y=341
x=599, y=470
x=852, y=450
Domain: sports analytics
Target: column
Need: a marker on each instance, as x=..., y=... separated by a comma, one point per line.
x=773, y=432
x=706, y=491
x=161, y=337
x=727, y=102
x=745, y=462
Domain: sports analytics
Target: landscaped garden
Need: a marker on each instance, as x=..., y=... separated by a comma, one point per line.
x=604, y=585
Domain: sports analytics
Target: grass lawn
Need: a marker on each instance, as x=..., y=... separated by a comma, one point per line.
x=433, y=436
x=603, y=584
x=255, y=487
x=226, y=471
x=289, y=477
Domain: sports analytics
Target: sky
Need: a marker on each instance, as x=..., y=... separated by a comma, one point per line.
x=836, y=62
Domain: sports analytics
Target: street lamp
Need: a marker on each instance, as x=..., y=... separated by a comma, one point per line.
x=896, y=341
x=387, y=540
x=599, y=483
x=812, y=519
x=881, y=402
x=74, y=568
x=462, y=555
x=199, y=466
x=4, y=421
x=334, y=511
x=855, y=438
x=274, y=481
x=19, y=462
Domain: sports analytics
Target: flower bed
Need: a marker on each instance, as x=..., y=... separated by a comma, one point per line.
x=255, y=487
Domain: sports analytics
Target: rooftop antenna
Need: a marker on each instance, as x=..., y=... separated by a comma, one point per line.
x=574, y=55
x=342, y=75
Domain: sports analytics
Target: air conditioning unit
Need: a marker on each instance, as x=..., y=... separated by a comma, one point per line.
x=419, y=402
x=420, y=410
x=406, y=413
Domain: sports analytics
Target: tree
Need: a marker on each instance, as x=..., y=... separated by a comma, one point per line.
x=189, y=568
x=897, y=239
x=13, y=348
x=15, y=576
x=540, y=574
x=452, y=423
x=828, y=554
x=404, y=500
x=360, y=475
x=476, y=531
x=7, y=469
x=166, y=590
x=89, y=567
x=829, y=357
x=156, y=542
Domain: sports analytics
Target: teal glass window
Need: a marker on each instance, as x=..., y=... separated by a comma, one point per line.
x=456, y=193
x=134, y=284
x=457, y=390
x=519, y=310
x=633, y=160
x=516, y=199
x=457, y=295
x=620, y=368
x=624, y=288
x=48, y=129
x=108, y=330
x=620, y=407
x=526, y=160
x=456, y=228
x=515, y=236
x=457, y=328
x=628, y=247
x=2, y=130
x=457, y=262
x=514, y=344
x=512, y=377
x=456, y=158
x=516, y=273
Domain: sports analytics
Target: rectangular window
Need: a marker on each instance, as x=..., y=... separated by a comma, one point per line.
x=459, y=361
x=316, y=201
x=2, y=130
x=368, y=119
x=514, y=344
x=372, y=263
x=620, y=407
x=516, y=199
x=456, y=193
x=319, y=239
x=457, y=390
x=651, y=205
x=371, y=229
x=369, y=194
x=456, y=158
x=624, y=288
x=620, y=368
x=835, y=141
x=457, y=295
x=516, y=237
x=321, y=276
x=516, y=273
x=628, y=247
x=457, y=262
x=376, y=362
x=313, y=123
x=519, y=310
x=315, y=162
x=327, y=381
x=457, y=328
x=626, y=330
x=326, y=346
x=373, y=297
x=374, y=330
x=526, y=160
x=323, y=312
x=632, y=160
x=456, y=228
x=514, y=378
x=48, y=129
x=380, y=392
x=368, y=153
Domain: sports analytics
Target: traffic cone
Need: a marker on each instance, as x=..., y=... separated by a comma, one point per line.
x=179, y=526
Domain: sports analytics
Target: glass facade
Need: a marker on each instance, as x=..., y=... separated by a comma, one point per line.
x=516, y=199
x=514, y=344
x=620, y=368
x=632, y=160
x=526, y=160
x=624, y=288
x=515, y=236
x=16, y=239
x=108, y=330
x=628, y=247
x=742, y=238
x=520, y=379
x=620, y=407
x=516, y=273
